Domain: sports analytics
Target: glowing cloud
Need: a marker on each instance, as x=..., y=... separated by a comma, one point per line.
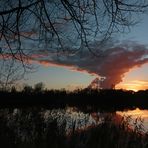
x=114, y=60
x=112, y=64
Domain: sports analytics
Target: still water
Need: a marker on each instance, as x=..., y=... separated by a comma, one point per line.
x=141, y=115
x=136, y=117
x=26, y=124
x=71, y=116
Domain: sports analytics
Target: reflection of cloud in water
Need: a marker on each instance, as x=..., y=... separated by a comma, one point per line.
x=73, y=117
x=137, y=113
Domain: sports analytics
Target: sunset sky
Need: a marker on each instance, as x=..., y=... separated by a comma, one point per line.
x=62, y=75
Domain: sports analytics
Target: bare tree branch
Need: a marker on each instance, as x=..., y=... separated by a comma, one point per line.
x=31, y=25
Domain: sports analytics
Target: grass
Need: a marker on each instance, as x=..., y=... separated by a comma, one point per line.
x=26, y=128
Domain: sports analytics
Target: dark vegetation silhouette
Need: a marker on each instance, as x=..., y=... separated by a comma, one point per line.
x=27, y=127
x=85, y=99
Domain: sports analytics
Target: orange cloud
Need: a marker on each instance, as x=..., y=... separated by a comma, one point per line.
x=112, y=66
x=48, y=63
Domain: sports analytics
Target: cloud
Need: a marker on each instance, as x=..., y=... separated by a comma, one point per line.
x=115, y=60
x=141, y=82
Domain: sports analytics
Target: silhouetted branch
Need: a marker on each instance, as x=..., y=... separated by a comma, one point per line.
x=54, y=23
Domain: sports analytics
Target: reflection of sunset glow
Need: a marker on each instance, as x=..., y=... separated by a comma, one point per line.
x=143, y=114
x=135, y=113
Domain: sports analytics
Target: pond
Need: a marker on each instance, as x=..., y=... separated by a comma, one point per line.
x=72, y=116
x=140, y=115
x=28, y=125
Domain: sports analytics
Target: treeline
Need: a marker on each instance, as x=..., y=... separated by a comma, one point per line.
x=85, y=99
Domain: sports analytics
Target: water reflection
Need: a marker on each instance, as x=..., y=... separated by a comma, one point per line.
x=69, y=127
x=136, y=114
x=73, y=117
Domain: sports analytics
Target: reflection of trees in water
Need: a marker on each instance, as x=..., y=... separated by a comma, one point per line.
x=26, y=123
x=39, y=127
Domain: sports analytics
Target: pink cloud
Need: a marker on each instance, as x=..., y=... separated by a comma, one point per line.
x=115, y=61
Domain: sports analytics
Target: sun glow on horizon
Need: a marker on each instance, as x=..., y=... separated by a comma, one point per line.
x=134, y=85
x=136, y=79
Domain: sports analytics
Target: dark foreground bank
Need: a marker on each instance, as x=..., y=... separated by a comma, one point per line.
x=86, y=100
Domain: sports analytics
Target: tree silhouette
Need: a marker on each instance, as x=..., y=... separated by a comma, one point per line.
x=60, y=24
x=27, y=89
x=10, y=73
x=39, y=87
